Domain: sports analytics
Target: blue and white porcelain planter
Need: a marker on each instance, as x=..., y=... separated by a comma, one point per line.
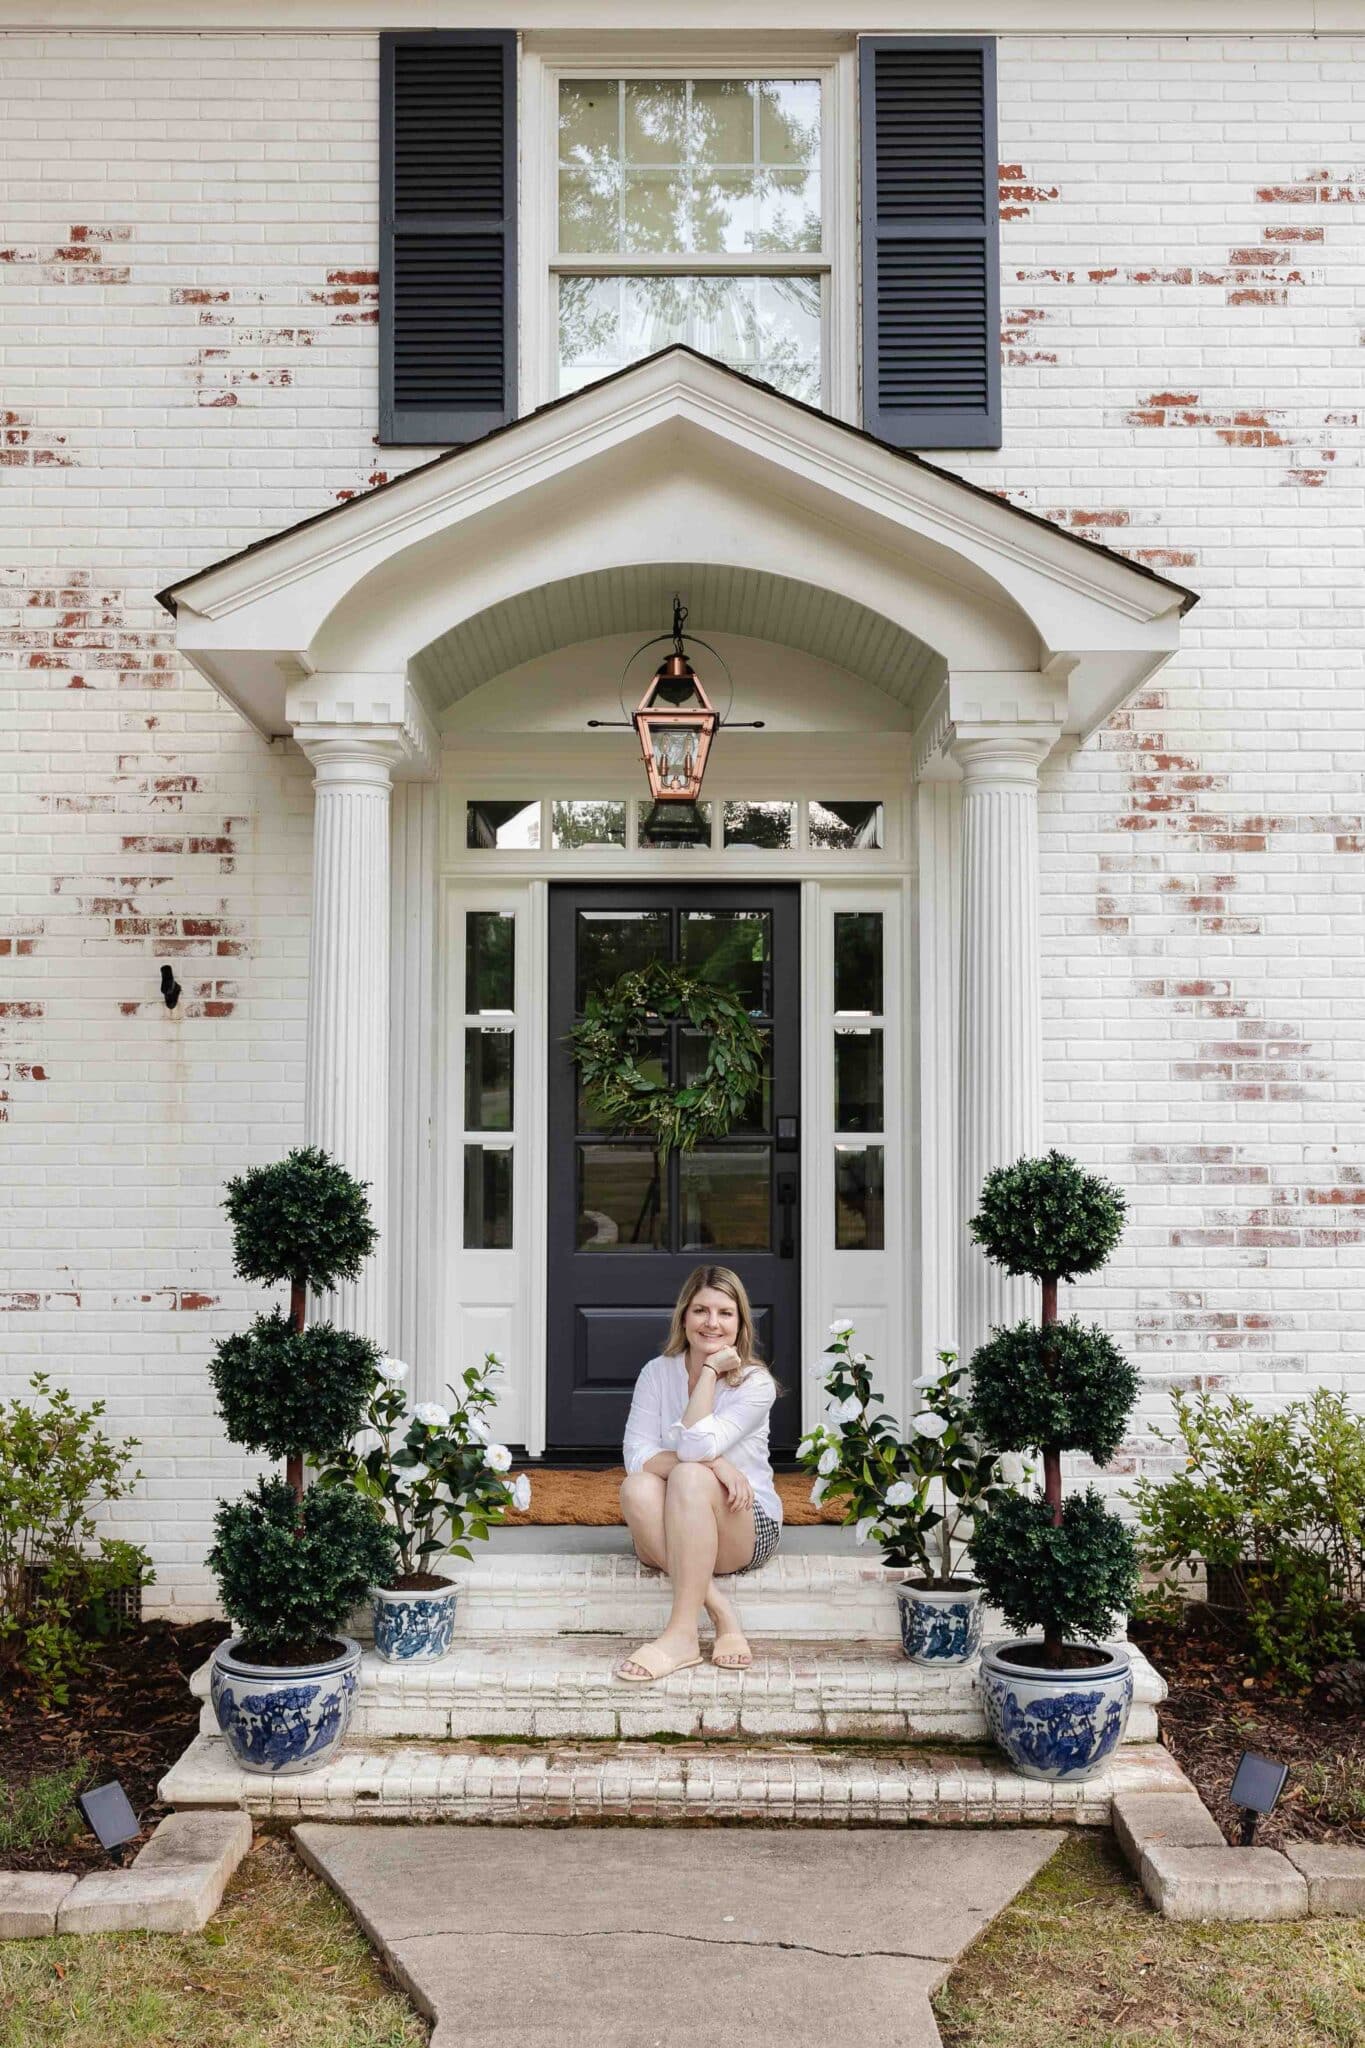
x=940, y=1627
x=283, y=1718
x=1056, y=1725
x=413, y=1624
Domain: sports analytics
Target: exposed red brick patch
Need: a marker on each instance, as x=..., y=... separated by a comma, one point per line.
x=24, y=1300
x=372, y=481
x=82, y=259
x=1249, y=428
x=197, y=1301
x=1019, y=193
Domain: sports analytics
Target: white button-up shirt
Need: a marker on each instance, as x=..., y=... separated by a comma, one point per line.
x=737, y=1427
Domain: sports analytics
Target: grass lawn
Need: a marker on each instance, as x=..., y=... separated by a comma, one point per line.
x=281, y=1966
x=1081, y=1961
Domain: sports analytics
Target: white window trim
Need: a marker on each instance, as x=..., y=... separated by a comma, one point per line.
x=833, y=61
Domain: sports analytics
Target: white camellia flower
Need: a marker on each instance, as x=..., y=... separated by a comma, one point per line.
x=521, y=1493
x=392, y=1370
x=929, y=1424
x=805, y=1447
x=841, y=1326
x=850, y=1409
x=829, y=1460
x=411, y=1475
x=497, y=1457
x=818, y=1492
x=433, y=1414
x=862, y=1357
x=864, y=1529
x=900, y=1494
x=928, y=1379
x=478, y=1428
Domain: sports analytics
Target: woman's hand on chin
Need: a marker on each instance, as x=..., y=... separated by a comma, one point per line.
x=722, y=1361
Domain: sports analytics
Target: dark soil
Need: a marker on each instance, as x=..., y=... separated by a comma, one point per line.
x=130, y=1717
x=1217, y=1709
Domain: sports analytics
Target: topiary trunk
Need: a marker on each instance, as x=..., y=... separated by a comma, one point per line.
x=1052, y=1479
x=298, y=1310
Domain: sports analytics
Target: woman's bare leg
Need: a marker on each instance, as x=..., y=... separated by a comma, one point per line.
x=701, y=1535
x=642, y=1505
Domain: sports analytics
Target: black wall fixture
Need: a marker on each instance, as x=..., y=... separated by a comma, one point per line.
x=170, y=987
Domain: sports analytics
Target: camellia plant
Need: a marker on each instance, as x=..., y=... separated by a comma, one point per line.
x=1062, y=1565
x=916, y=1497
x=432, y=1469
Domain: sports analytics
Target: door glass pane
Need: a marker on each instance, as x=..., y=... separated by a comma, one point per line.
x=488, y=1080
x=488, y=961
x=859, y=1218
x=858, y=1080
x=507, y=825
x=615, y=942
x=622, y=1199
x=770, y=826
x=487, y=1198
x=858, y=962
x=652, y=1061
x=733, y=947
x=694, y=1049
x=583, y=821
x=725, y=1198
x=845, y=827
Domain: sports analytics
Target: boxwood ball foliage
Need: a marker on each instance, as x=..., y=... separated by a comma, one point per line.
x=1076, y=1577
x=1062, y=1385
x=302, y=1218
x=286, y=1391
x=1048, y=1217
x=290, y=1571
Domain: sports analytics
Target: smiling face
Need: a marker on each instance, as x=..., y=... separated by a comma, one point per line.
x=711, y=1321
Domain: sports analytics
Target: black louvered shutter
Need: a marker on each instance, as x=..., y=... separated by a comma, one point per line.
x=931, y=244
x=447, y=251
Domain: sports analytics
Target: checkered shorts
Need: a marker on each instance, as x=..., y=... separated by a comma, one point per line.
x=767, y=1535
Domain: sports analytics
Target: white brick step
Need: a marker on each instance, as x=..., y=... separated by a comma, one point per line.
x=558, y=1687
x=658, y=1782
x=803, y=1596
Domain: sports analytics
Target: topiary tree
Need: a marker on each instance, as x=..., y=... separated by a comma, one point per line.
x=284, y=1389
x=1062, y=1564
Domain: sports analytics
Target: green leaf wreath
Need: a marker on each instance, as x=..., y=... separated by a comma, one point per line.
x=608, y=1043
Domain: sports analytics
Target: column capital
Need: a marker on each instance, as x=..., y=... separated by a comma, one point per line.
x=353, y=756
x=380, y=717
x=1001, y=756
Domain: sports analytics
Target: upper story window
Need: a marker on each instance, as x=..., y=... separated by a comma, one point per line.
x=692, y=210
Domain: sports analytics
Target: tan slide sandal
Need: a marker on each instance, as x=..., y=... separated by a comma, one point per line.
x=731, y=1652
x=656, y=1666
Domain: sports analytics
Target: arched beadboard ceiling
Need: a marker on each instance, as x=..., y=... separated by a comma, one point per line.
x=639, y=600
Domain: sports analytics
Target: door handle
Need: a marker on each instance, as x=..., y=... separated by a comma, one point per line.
x=786, y=1202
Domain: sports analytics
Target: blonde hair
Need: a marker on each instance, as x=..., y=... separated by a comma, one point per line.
x=725, y=1282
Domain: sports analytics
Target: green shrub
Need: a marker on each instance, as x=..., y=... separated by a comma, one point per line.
x=290, y=1571
x=305, y=1219
x=281, y=1389
x=1276, y=1501
x=1062, y=1565
x=41, y=1813
x=56, y=1464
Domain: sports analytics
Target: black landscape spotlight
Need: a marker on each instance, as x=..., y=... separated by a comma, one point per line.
x=110, y=1817
x=1256, y=1784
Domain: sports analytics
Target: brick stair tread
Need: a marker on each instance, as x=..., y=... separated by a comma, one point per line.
x=525, y=1783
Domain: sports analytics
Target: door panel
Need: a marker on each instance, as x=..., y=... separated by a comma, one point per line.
x=628, y=1224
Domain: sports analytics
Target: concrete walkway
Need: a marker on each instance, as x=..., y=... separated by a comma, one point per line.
x=651, y=1938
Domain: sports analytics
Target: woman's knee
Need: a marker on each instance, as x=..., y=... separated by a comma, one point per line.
x=639, y=1488
x=690, y=1480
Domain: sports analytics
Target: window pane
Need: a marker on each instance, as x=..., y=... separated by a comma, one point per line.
x=589, y=120
x=489, y=954
x=771, y=826
x=858, y=1081
x=655, y=212
x=859, y=1218
x=652, y=1060
x=725, y=213
x=656, y=120
x=722, y=121
x=858, y=962
x=585, y=822
x=676, y=825
x=757, y=1114
x=845, y=827
x=622, y=1199
x=512, y=823
x=487, y=1198
x=767, y=327
x=789, y=213
x=789, y=121
x=733, y=947
x=726, y=1199
x=614, y=942
x=488, y=1080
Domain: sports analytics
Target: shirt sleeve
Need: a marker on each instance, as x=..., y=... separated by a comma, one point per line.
x=644, y=1437
x=714, y=1435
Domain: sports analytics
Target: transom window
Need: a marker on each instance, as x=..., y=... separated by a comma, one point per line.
x=620, y=824
x=692, y=210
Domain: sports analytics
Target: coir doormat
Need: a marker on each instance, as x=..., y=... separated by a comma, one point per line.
x=590, y=1500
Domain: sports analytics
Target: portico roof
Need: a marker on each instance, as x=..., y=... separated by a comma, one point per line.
x=676, y=459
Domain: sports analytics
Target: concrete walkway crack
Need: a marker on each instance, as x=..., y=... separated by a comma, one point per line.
x=851, y=1955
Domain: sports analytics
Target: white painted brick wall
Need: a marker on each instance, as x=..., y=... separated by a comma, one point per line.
x=189, y=348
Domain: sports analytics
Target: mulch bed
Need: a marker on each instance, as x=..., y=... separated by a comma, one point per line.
x=129, y=1718
x=1216, y=1709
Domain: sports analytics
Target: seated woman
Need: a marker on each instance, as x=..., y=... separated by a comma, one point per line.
x=698, y=1495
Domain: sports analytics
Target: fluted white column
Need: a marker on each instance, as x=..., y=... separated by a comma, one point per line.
x=346, y=1099
x=1000, y=1064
